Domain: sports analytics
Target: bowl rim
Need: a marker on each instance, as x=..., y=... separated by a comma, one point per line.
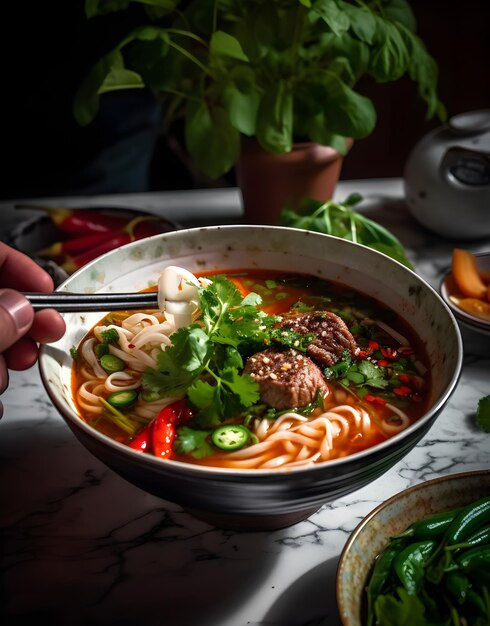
x=258, y=474
x=365, y=521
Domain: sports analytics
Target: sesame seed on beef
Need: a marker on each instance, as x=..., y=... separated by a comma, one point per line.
x=333, y=337
x=287, y=379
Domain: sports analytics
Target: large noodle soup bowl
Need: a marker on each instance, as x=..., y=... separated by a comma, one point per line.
x=257, y=499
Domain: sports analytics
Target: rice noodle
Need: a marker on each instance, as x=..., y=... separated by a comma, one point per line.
x=294, y=440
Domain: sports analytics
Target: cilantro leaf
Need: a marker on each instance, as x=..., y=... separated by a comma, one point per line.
x=180, y=364
x=483, y=414
x=406, y=611
x=110, y=336
x=361, y=374
x=374, y=375
x=190, y=440
x=231, y=393
x=216, y=299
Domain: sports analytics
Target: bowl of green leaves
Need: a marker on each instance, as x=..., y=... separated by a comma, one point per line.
x=422, y=557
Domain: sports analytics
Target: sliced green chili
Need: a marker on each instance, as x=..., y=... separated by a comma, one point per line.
x=230, y=437
x=122, y=398
x=112, y=363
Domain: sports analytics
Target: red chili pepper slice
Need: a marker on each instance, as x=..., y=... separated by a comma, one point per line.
x=405, y=378
x=383, y=363
x=159, y=435
x=164, y=429
x=373, y=345
x=142, y=441
x=389, y=353
x=374, y=399
x=402, y=390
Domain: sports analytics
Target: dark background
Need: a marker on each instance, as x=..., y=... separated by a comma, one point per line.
x=50, y=46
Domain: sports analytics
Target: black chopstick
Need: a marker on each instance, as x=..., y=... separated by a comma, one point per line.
x=66, y=302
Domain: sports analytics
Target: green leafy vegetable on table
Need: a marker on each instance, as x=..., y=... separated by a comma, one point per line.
x=435, y=573
x=483, y=414
x=341, y=220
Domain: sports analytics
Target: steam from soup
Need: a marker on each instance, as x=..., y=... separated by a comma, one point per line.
x=274, y=370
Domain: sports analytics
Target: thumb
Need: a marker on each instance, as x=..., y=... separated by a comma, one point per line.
x=16, y=317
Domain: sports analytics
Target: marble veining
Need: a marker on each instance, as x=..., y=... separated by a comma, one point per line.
x=80, y=546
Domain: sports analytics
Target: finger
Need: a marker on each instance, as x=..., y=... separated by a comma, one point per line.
x=22, y=355
x=16, y=317
x=4, y=375
x=18, y=271
x=48, y=326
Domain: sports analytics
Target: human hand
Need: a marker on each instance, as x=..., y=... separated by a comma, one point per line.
x=21, y=330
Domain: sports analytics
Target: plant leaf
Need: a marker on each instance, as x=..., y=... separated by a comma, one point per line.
x=86, y=102
x=241, y=100
x=336, y=19
x=225, y=46
x=212, y=142
x=275, y=118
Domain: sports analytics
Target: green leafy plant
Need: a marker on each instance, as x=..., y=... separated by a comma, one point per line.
x=342, y=220
x=279, y=71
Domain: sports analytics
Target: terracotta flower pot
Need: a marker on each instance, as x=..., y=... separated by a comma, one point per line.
x=269, y=182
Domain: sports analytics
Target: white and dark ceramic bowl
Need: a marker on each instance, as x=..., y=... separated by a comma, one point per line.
x=390, y=518
x=257, y=499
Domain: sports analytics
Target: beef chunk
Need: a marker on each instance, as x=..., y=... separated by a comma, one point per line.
x=331, y=332
x=287, y=379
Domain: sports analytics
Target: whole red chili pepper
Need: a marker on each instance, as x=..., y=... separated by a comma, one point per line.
x=76, y=245
x=118, y=239
x=80, y=221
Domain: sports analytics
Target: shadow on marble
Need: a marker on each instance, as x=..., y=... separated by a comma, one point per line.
x=310, y=601
x=82, y=547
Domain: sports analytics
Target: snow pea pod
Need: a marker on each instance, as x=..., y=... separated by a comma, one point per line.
x=468, y=521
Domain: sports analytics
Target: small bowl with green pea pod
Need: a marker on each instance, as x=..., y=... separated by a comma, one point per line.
x=422, y=557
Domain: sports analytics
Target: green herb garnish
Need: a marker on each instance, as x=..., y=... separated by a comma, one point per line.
x=110, y=336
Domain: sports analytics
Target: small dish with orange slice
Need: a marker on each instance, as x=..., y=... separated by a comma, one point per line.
x=466, y=289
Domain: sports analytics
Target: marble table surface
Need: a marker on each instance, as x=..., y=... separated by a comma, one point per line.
x=80, y=546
